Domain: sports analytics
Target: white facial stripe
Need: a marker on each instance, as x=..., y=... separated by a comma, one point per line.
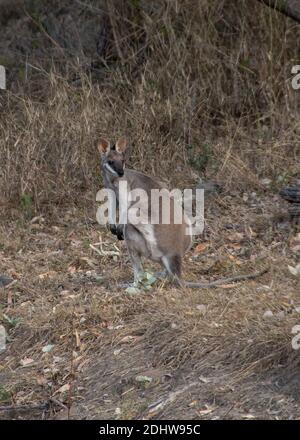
x=111, y=170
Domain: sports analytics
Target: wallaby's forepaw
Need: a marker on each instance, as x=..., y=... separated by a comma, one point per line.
x=113, y=229
x=120, y=232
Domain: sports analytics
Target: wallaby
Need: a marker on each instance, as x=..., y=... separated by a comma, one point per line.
x=162, y=243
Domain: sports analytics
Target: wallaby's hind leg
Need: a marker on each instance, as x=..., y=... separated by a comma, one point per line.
x=172, y=265
x=162, y=274
x=136, y=246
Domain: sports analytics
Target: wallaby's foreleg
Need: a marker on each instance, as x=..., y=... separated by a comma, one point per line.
x=136, y=247
x=114, y=228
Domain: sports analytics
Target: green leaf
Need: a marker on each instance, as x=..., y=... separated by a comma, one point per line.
x=151, y=279
x=47, y=348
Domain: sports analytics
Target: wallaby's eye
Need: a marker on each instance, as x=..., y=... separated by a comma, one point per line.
x=110, y=162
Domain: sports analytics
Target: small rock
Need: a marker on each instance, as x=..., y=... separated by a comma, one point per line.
x=280, y=314
x=65, y=388
x=117, y=352
x=202, y=308
x=268, y=314
x=118, y=411
x=295, y=270
x=266, y=181
x=143, y=379
x=26, y=362
x=193, y=403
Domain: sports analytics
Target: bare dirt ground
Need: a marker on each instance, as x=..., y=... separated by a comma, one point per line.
x=79, y=346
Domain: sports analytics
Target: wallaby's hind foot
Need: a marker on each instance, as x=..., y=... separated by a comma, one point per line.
x=161, y=274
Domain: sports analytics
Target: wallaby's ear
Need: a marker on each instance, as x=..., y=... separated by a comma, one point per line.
x=103, y=146
x=121, y=145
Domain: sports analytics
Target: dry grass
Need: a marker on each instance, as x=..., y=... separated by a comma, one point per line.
x=203, y=85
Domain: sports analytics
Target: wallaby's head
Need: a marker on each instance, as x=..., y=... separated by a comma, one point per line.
x=113, y=158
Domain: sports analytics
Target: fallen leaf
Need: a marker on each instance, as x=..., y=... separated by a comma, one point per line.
x=235, y=246
x=207, y=410
x=235, y=237
x=77, y=360
x=72, y=269
x=49, y=274
x=88, y=261
x=295, y=270
x=63, y=389
x=236, y=260
x=41, y=380
x=26, y=362
x=128, y=339
x=204, y=379
x=268, y=314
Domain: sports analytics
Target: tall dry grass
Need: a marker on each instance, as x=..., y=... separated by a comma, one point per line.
x=200, y=87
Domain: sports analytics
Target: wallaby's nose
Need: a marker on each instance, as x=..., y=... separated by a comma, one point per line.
x=121, y=173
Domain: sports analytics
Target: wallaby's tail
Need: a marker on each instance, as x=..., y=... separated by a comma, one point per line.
x=221, y=281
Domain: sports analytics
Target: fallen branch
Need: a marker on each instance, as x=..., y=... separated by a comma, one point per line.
x=24, y=407
x=290, y=8
x=223, y=281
